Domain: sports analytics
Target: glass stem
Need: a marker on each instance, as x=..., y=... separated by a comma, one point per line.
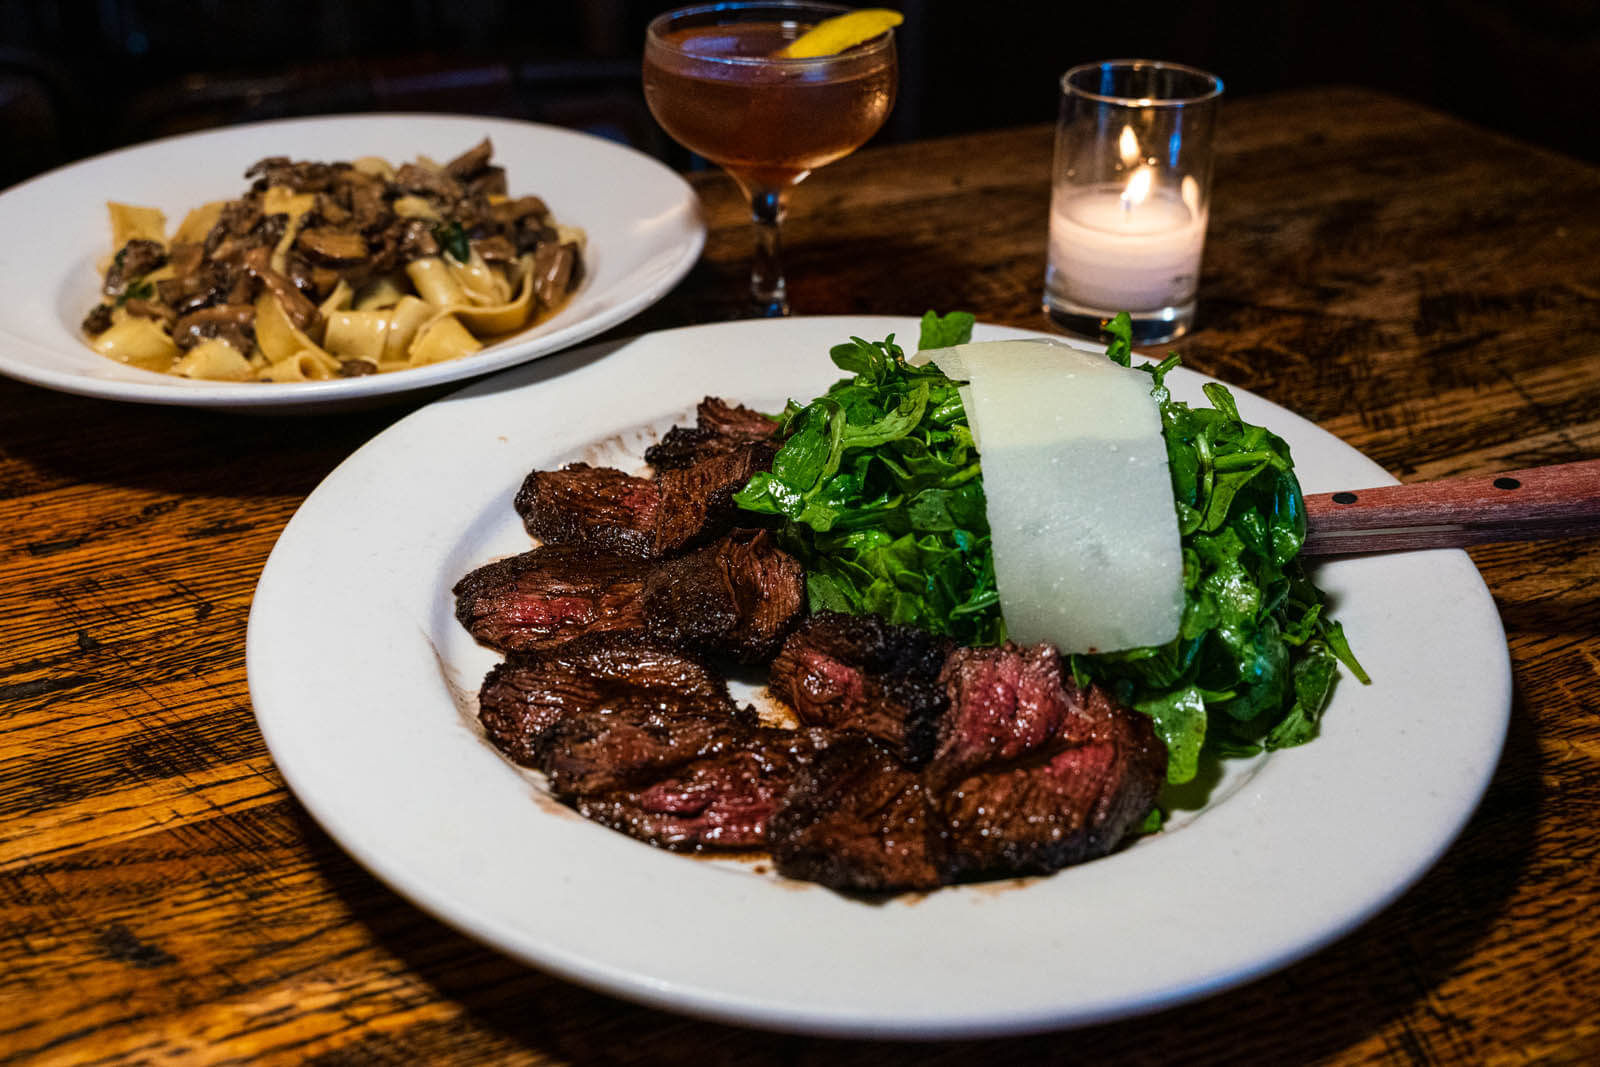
x=767, y=286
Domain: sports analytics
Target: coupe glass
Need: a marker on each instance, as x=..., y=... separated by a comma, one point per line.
x=712, y=81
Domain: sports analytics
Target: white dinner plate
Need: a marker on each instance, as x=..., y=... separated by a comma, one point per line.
x=364, y=687
x=643, y=223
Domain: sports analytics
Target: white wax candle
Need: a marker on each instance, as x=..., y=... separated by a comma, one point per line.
x=1116, y=255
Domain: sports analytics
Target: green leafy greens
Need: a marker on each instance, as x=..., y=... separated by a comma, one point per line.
x=138, y=289
x=878, y=491
x=1256, y=655
x=453, y=239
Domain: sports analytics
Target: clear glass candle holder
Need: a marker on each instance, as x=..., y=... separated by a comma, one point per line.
x=1130, y=196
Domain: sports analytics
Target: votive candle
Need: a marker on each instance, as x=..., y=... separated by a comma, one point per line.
x=1108, y=252
x=1130, y=197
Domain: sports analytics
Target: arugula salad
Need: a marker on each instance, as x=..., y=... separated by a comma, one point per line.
x=878, y=490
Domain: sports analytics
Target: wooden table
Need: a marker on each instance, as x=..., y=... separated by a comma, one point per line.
x=1425, y=290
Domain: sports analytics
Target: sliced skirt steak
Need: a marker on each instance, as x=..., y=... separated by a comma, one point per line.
x=525, y=696
x=737, y=596
x=545, y=597
x=860, y=672
x=649, y=518
x=721, y=799
x=1031, y=774
x=857, y=819
x=720, y=427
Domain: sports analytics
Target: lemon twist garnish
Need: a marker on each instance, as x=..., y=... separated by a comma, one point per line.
x=831, y=36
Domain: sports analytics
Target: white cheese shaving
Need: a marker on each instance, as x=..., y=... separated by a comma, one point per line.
x=1085, y=537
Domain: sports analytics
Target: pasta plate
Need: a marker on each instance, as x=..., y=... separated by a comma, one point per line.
x=642, y=221
x=364, y=687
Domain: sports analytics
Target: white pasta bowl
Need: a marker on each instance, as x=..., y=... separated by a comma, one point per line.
x=643, y=225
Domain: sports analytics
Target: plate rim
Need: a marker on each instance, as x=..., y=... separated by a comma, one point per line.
x=747, y=1008
x=332, y=395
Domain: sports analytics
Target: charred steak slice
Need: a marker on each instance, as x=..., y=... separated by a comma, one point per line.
x=523, y=697
x=697, y=500
x=721, y=800
x=857, y=819
x=680, y=775
x=597, y=507
x=1075, y=803
x=592, y=751
x=739, y=595
x=1032, y=773
x=545, y=597
x=606, y=509
x=861, y=672
x=720, y=427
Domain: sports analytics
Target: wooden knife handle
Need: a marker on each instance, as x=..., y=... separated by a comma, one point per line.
x=1539, y=503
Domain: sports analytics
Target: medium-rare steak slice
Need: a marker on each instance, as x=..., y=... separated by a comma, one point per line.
x=1077, y=803
x=1032, y=773
x=523, y=697
x=545, y=597
x=861, y=672
x=596, y=507
x=720, y=800
x=719, y=427
x=649, y=518
x=859, y=820
x=681, y=775
x=1003, y=703
x=739, y=595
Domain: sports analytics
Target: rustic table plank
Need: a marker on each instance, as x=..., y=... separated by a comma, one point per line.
x=1427, y=290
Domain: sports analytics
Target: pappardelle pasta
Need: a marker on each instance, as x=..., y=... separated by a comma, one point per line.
x=327, y=270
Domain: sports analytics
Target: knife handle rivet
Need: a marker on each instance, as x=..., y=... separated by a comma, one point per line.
x=1344, y=498
x=1507, y=483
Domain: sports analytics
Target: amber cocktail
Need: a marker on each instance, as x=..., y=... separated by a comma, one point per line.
x=712, y=80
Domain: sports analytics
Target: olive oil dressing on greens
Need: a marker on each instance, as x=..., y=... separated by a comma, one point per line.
x=878, y=489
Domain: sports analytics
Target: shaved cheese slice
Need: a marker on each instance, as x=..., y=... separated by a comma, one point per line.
x=1085, y=536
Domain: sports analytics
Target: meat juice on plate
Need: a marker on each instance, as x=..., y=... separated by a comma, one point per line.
x=767, y=122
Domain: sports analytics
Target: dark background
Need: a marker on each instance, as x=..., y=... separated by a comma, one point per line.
x=81, y=76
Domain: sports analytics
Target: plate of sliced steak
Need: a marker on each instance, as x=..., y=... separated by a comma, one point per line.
x=616, y=762
x=952, y=764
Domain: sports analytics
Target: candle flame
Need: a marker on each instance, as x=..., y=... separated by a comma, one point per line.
x=1138, y=187
x=1128, y=146
x=1190, y=192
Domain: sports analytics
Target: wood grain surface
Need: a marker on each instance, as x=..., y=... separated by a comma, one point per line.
x=1426, y=290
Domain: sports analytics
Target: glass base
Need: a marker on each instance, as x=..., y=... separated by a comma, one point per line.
x=769, y=303
x=1149, y=327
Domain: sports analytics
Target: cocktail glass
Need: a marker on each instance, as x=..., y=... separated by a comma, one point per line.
x=712, y=81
